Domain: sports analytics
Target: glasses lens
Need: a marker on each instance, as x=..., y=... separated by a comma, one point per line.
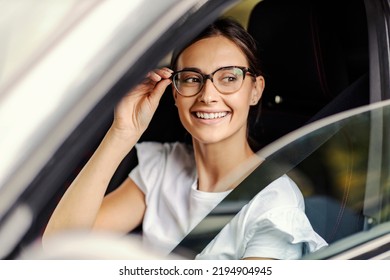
x=188, y=83
x=228, y=80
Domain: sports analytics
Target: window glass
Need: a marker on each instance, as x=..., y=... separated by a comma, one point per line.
x=341, y=166
x=345, y=180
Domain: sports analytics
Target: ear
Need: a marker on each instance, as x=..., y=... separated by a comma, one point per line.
x=174, y=93
x=257, y=90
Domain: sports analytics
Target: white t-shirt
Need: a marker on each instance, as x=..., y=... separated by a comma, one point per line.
x=273, y=224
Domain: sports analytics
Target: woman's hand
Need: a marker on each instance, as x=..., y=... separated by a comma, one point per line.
x=135, y=111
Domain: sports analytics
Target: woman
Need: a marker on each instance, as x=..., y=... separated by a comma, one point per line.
x=215, y=83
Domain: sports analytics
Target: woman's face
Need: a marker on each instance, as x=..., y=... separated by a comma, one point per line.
x=211, y=117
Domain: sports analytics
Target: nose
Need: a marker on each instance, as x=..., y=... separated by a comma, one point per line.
x=208, y=94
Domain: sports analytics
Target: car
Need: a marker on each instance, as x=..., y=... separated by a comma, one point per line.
x=324, y=112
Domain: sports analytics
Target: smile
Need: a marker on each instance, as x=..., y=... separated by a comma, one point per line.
x=210, y=116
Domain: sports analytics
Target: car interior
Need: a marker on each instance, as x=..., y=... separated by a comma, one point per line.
x=310, y=52
x=315, y=57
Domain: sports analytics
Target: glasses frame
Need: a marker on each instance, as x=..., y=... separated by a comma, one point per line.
x=210, y=76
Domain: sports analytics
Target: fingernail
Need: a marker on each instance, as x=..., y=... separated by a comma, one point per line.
x=168, y=73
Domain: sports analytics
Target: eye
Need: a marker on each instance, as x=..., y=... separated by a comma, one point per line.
x=191, y=80
x=229, y=79
x=229, y=75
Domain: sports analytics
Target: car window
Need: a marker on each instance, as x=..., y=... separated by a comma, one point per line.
x=341, y=165
x=346, y=181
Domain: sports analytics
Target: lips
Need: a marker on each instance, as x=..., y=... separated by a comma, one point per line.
x=210, y=116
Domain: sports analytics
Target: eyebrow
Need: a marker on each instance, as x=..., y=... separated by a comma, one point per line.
x=190, y=69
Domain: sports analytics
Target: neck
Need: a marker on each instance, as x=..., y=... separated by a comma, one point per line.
x=222, y=166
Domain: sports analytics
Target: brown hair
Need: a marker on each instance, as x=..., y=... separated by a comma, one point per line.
x=232, y=30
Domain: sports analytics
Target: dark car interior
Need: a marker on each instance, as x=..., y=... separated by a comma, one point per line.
x=314, y=54
x=311, y=52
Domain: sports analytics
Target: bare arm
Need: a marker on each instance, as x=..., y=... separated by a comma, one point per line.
x=82, y=205
x=79, y=206
x=123, y=209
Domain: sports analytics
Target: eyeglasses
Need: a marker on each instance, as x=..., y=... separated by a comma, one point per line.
x=228, y=79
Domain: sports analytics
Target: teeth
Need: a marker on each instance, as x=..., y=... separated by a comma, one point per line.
x=210, y=116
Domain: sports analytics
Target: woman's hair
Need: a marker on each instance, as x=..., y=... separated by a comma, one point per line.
x=234, y=31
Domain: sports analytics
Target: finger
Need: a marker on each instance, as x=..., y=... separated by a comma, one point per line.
x=164, y=72
x=151, y=80
x=154, y=76
x=159, y=74
x=168, y=69
x=159, y=90
x=161, y=86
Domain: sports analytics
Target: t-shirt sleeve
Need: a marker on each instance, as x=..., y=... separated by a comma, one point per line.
x=283, y=230
x=151, y=164
x=282, y=233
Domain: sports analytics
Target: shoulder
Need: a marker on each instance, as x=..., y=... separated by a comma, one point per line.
x=279, y=211
x=158, y=162
x=283, y=192
x=280, y=201
x=155, y=152
x=153, y=148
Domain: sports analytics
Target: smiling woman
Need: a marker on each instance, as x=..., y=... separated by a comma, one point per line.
x=60, y=81
x=176, y=185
